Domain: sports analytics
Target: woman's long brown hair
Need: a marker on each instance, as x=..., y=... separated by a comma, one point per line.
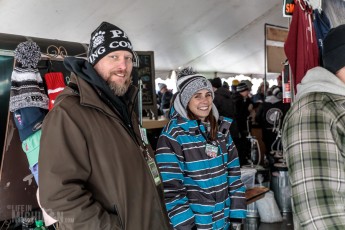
x=210, y=118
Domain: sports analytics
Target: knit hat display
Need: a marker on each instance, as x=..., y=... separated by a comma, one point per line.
x=31, y=147
x=27, y=89
x=217, y=82
x=188, y=83
x=28, y=54
x=161, y=86
x=334, y=49
x=105, y=39
x=55, y=84
x=242, y=87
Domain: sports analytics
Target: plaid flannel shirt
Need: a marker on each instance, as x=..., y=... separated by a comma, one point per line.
x=314, y=143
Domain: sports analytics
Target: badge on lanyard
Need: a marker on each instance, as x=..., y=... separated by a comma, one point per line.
x=211, y=150
x=154, y=171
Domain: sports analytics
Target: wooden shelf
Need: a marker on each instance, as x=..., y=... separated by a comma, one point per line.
x=154, y=124
x=255, y=193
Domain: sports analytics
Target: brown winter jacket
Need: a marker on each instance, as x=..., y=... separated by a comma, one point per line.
x=92, y=173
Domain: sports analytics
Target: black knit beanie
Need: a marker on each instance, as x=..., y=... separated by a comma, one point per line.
x=106, y=39
x=334, y=49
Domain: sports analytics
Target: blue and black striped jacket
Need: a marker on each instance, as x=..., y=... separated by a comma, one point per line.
x=199, y=191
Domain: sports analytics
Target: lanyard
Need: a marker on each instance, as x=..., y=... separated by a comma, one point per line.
x=212, y=147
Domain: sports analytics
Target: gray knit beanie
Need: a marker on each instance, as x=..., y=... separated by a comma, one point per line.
x=188, y=83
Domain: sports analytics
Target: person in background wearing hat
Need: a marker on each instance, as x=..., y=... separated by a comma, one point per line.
x=234, y=85
x=313, y=139
x=249, y=84
x=223, y=99
x=259, y=97
x=270, y=116
x=226, y=85
x=198, y=160
x=165, y=96
x=243, y=107
x=96, y=171
x=226, y=107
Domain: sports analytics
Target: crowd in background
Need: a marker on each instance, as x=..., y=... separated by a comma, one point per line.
x=263, y=109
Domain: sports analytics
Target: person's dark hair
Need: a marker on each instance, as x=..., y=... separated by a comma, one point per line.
x=210, y=118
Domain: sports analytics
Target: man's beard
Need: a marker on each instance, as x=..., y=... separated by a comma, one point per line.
x=120, y=90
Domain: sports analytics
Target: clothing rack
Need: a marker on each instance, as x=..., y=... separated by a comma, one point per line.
x=56, y=53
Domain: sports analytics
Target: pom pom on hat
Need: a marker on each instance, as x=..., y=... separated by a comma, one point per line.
x=106, y=39
x=28, y=54
x=189, y=82
x=334, y=49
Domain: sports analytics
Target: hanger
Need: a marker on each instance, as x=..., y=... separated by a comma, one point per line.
x=314, y=4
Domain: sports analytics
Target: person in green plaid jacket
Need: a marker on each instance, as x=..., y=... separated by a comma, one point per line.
x=313, y=140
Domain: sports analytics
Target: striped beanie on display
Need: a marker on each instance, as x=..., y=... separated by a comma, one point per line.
x=27, y=89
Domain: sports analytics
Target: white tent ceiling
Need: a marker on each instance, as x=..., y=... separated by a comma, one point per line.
x=212, y=36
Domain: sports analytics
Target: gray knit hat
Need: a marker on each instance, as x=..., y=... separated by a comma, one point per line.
x=188, y=83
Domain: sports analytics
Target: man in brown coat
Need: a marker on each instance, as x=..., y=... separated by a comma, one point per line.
x=95, y=170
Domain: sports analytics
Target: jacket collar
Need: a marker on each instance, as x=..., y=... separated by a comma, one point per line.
x=192, y=125
x=89, y=96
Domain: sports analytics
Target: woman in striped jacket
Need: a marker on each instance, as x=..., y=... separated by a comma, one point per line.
x=198, y=161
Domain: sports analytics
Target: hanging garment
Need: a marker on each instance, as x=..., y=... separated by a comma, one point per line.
x=322, y=26
x=31, y=147
x=301, y=47
x=55, y=84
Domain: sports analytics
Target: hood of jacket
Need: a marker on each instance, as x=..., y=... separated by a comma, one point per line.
x=319, y=79
x=85, y=70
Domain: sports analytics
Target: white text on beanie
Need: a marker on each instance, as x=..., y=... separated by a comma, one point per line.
x=106, y=39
